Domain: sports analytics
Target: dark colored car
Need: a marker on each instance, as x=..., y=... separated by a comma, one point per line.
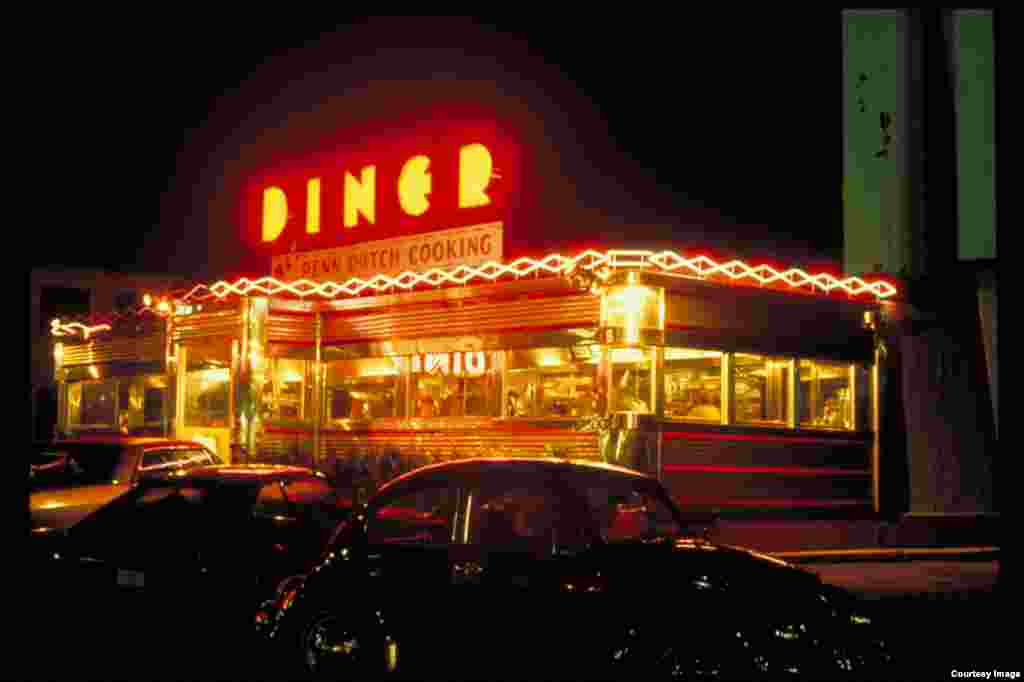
x=162, y=582
x=547, y=568
x=214, y=537
x=70, y=479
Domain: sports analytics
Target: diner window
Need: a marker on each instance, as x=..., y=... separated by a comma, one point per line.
x=825, y=395
x=693, y=384
x=366, y=388
x=92, y=403
x=632, y=388
x=288, y=386
x=154, y=400
x=129, y=406
x=207, y=384
x=459, y=384
x=761, y=387
x=549, y=382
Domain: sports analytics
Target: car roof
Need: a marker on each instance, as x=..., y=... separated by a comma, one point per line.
x=128, y=441
x=245, y=472
x=473, y=466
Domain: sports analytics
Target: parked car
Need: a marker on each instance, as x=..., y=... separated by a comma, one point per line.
x=69, y=479
x=223, y=528
x=178, y=565
x=563, y=570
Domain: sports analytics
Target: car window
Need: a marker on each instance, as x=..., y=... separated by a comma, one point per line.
x=271, y=500
x=193, y=457
x=175, y=458
x=627, y=508
x=525, y=516
x=75, y=464
x=153, y=459
x=421, y=516
x=307, y=491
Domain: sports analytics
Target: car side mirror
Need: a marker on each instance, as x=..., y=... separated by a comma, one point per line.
x=700, y=523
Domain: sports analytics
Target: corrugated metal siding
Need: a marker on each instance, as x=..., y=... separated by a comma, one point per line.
x=205, y=325
x=415, y=447
x=758, y=475
x=471, y=318
x=148, y=348
x=291, y=328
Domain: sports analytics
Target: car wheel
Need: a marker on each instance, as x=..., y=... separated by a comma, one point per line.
x=332, y=646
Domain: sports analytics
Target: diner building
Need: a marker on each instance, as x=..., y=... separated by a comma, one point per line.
x=743, y=387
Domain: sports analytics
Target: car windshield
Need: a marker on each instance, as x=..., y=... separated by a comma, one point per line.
x=627, y=508
x=74, y=464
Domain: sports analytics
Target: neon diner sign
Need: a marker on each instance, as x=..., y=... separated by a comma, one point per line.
x=361, y=191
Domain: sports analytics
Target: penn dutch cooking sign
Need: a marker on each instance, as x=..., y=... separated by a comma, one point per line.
x=420, y=202
x=472, y=245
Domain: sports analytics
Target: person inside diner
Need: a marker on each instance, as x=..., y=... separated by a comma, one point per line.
x=707, y=406
x=512, y=406
x=426, y=406
x=451, y=406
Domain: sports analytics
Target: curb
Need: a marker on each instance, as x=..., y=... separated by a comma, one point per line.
x=872, y=554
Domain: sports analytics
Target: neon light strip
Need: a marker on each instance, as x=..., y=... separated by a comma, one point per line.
x=784, y=471
x=782, y=503
x=500, y=429
x=75, y=328
x=600, y=264
x=766, y=438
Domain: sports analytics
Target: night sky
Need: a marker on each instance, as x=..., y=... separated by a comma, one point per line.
x=717, y=131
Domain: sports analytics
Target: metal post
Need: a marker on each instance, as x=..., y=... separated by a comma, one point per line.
x=318, y=389
x=793, y=399
x=876, y=427
x=727, y=395
x=247, y=408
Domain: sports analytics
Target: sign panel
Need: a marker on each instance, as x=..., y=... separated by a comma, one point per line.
x=472, y=245
x=433, y=177
x=974, y=62
x=876, y=187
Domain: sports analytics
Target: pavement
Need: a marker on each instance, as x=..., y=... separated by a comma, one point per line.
x=933, y=532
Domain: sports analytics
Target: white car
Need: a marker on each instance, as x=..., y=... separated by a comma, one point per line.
x=69, y=479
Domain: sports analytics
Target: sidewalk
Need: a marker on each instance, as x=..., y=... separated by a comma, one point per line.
x=953, y=536
x=887, y=554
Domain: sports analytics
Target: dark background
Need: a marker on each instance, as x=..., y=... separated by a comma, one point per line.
x=717, y=131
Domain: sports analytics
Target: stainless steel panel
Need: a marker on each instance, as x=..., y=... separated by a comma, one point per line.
x=149, y=348
x=205, y=325
x=291, y=328
x=471, y=318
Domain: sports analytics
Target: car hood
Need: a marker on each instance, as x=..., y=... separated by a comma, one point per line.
x=61, y=508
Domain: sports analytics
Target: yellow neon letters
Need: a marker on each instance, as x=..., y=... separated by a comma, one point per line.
x=414, y=185
x=359, y=197
x=275, y=212
x=474, y=175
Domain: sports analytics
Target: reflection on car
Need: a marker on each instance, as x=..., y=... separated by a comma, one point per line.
x=561, y=569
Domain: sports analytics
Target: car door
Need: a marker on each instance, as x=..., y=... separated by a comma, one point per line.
x=407, y=567
x=508, y=574
x=312, y=516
